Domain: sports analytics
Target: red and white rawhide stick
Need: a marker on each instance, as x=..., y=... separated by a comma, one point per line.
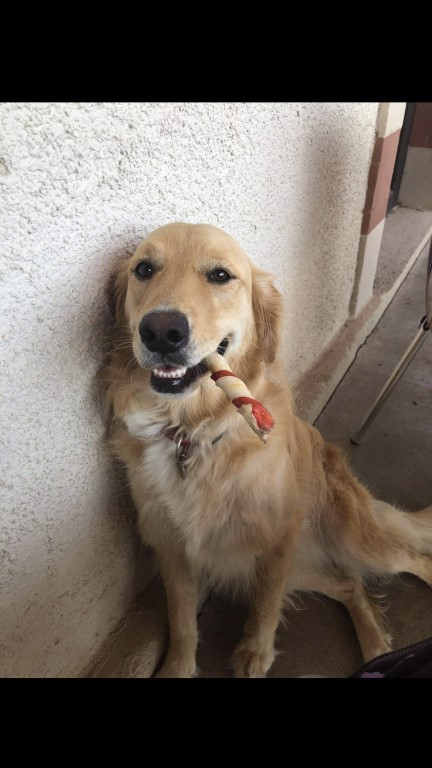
x=258, y=417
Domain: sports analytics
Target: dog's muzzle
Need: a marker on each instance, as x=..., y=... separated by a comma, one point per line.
x=166, y=334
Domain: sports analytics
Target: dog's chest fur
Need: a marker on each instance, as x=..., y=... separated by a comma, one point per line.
x=212, y=509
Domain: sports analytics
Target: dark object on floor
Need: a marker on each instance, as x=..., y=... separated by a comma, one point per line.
x=412, y=661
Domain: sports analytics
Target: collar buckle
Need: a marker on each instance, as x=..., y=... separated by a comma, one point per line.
x=181, y=456
x=183, y=446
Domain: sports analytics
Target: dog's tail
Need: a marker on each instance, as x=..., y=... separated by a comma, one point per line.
x=395, y=541
x=415, y=528
x=373, y=536
x=389, y=541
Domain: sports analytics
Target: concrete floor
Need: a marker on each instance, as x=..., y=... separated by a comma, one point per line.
x=393, y=460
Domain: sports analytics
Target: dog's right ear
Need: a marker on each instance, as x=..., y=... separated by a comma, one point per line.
x=116, y=292
x=267, y=309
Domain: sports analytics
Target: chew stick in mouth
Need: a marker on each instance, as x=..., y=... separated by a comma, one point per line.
x=258, y=417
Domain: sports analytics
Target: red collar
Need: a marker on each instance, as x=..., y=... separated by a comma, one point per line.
x=185, y=443
x=183, y=446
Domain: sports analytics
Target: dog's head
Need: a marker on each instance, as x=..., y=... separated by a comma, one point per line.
x=190, y=290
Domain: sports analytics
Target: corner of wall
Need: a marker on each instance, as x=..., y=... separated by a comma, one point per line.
x=389, y=122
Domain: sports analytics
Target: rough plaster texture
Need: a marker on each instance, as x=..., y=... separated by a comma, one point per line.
x=81, y=184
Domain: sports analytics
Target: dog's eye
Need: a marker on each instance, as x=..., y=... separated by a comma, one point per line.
x=144, y=270
x=219, y=276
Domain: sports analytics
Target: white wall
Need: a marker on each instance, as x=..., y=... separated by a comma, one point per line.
x=81, y=184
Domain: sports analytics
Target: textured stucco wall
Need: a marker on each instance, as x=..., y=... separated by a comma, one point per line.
x=81, y=184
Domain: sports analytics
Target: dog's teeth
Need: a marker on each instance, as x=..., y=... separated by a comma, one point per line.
x=174, y=373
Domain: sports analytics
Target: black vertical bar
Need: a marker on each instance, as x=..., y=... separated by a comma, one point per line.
x=401, y=154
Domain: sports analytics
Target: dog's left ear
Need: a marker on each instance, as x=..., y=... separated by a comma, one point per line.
x=116, y=292
x=267, y=310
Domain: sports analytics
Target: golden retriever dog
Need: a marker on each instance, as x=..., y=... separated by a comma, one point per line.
x=221, y=508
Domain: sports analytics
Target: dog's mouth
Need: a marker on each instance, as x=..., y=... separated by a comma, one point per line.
x=173, y=379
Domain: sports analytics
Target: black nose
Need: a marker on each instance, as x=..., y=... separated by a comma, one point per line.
x=164, y=331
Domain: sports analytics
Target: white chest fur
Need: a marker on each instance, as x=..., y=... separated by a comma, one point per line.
x=203, y=509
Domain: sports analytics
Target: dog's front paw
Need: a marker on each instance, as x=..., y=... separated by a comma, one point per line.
x=249, y=660
x=177, y=668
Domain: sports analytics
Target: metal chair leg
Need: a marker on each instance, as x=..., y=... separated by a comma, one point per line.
x=391, y=382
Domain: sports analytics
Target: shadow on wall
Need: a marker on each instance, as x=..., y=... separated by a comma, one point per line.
x=102, y=329
x=325, y=251
x=32, y=640
x=71, y=557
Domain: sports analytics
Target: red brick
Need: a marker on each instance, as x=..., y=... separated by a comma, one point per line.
x=380, y=175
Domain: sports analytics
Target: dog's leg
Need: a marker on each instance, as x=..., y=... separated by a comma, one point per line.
x=421, y=566
x=255, y=654
x=365, y=615
x=182, y=593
